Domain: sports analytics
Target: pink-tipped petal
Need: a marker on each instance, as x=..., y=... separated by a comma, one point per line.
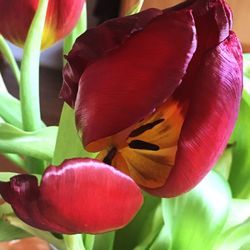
x=82, y=195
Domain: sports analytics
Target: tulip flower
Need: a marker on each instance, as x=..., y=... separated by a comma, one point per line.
x=81, y=195
x=158, y=93
x=16, y=17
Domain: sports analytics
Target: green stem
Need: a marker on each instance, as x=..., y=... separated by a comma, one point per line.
x=74, y=242
x=29, y=89
x=7, y=54
x=29, y=85
x=67, y=135
x=80, y=28
x=89, y=241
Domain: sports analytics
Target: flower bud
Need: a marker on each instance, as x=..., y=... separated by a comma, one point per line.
x=16, y=18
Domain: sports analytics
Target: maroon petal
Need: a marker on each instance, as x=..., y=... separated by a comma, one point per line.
x=213, y=20
x=82, y=195
x=125, y=86
x=212, y=113
x=97, y=42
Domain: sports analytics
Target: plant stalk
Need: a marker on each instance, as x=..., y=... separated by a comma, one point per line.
x=74, y=242
x=29, y=84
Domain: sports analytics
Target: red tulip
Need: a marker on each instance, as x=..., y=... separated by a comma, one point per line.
x=81, y=195
x=158, y=92
x=16, y=17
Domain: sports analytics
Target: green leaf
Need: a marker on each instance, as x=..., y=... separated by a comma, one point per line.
x=144, y=227
x=162, y=241
x=246, y=246
x=39, y=144
x=223, y=165
x=9, y=232
x=150, y=230
x=239, y=212
x=198, y=216
x=136, y=8
x=235, y=238
x=10, y=109
x=68, y=144
x=240, y=171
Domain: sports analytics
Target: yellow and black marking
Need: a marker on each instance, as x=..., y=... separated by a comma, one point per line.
x=147, y=153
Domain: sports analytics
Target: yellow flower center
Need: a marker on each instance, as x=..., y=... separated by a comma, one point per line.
x=146, y=151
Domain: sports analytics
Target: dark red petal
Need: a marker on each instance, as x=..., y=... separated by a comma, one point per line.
x=213, y=20
x=122, y=88
x=82, y=195
x=22, y=192
x=96, y=43
x=212, y=113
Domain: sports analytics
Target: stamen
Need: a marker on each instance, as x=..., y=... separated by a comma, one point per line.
x=110, y=156
x=138, y=144
x=144, y=128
